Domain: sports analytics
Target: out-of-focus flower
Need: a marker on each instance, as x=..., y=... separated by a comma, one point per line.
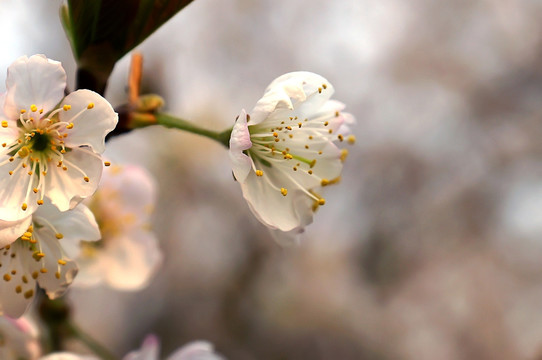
x=18, y=339
x=284, y=151
x=197, y=350
x=42, y=255
x=50, y=144
x=150, y=350
x=67, y=356
x=128, y=254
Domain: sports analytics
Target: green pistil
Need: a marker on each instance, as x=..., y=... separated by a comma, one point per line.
x=40, y=142
x=306, y=161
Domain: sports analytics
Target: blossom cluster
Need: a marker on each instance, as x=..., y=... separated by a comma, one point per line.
x=50, y=160
x=64, y=220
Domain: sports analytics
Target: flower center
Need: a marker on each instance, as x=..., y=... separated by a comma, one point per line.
x=38, y=147
x=40, y=142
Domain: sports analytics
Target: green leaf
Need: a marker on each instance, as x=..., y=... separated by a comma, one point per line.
x=103, y=31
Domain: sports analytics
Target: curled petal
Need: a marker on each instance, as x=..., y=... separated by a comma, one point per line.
x=239, y=142
x=92, y=117
x=301, y=90
x=34, y=81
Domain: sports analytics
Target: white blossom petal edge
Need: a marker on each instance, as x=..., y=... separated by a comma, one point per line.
x=48, y=150
x=284, y=151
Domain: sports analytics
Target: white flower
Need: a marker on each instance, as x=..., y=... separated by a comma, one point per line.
x=196, y=350
x=41, y=255
x=50, y=144
x=284, y=151
x=128, y=254
x=150, y=350
x=18, y=339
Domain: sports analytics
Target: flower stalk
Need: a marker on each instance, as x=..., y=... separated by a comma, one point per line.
x=90, y=342
x=177, y=123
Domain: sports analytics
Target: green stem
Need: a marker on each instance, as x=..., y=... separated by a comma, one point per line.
x=174, y=122
x=90, y=343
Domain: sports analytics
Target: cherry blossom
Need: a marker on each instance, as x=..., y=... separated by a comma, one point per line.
x=42, y=255
x=127, y=255
x=284, y=152
x=50, y=143
x=18, y=339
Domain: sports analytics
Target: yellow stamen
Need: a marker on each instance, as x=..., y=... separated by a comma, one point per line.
x=283, y=191
x=344, y=154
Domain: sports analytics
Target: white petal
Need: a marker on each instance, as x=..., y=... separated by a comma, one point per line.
x=92, y=270
x=196, y=350
x=12, y=230
x=149, y=350
x=67, y=356
x=310, y=81
x=75, y=225
x=14, y=189
x=272, y=100
x=302, y=90
x=64, y=185
x=287, y=238
x=132, y=187
x=58, y=277
x=35, y=80
x=12, y=301
x=240, y=141
x=90, y=125
x=131, y=259
x=286, y=213
x=10, y=133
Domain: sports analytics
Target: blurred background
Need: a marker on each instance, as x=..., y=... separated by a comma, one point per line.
x=430, y=248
